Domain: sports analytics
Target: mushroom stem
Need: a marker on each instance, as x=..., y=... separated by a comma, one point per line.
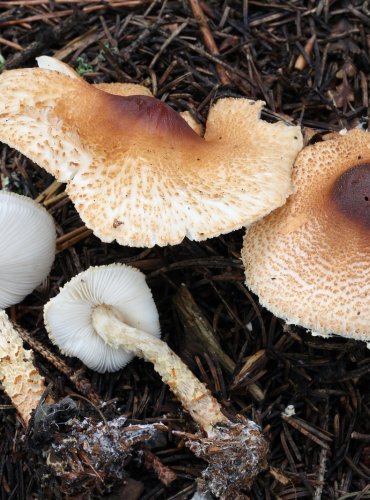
x=194, y=396
x=235, y=452
x=18, y=375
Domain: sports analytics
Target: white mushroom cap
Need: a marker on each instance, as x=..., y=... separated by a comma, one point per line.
x=54, y=64
x=27, y=246
x=135, y=170
x=68, y=316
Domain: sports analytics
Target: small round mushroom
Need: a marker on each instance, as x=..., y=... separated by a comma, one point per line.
x=27, y=246
x=106, y=315
x=27, y=250
x=309, y=261
x=68, y=316
x=136, y=171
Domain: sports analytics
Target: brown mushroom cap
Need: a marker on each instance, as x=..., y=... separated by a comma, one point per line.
x=309, y=261
x=136, y=171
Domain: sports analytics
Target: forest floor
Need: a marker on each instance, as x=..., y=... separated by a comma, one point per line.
x=309, y=61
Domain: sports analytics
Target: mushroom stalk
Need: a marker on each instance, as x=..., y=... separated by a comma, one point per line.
x=18, y=375
x=105, y=316
x=194, y=396
x=235, y=452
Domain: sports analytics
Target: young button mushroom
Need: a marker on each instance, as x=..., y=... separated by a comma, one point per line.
x=105, y=316
x=309, y=261
x=136, y=171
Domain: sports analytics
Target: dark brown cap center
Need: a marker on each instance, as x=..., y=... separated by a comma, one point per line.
x=150, y=115
x=351, y=194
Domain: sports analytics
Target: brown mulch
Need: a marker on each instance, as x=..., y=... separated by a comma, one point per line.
x=309, y=61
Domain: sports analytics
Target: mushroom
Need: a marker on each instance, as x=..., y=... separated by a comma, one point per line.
x=27, y=250
x=27, y=246
x=106, y=315
x=135, y=170
x=68, y=316
x=19, y=377
x=309, y=261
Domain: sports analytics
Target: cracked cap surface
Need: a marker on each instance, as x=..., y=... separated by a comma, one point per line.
x=309, y=261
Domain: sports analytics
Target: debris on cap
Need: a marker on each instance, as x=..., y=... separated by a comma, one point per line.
x=136, y=171
x=309, y=261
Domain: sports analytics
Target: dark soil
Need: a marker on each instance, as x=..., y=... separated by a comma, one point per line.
x=247, y=48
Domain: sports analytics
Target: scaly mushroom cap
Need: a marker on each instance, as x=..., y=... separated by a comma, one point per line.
x=136, y=171
x=68, y=316
x=18, y=375
x=27, y=246
x=309, y=261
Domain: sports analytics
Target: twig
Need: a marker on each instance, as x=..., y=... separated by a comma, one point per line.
x=81, y=383
x=167, y=42
x=164, y=473
x=13, y=45
x=208, y=39
x=304, y=58
x=71, y=238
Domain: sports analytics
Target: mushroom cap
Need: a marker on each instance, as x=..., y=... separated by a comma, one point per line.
x=27, y=246
x=309, y=261
x=68, y=316
x=18, y=375
x=135, y=170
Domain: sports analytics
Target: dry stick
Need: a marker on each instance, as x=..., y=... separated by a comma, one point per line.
x=323, y=459
x=13, y=45
x=199, y=334
x=50, y=37
x=49, y=191
x=360, y=437
x=81, y=383
x=78, y=43
x=208, y=39
x=322, y=470
x=38, y=17
x=164, y=473
x=312, y=433
x=167, y=42
x=24, y=3
x=71, y=238
x=53, y=199
x=302, y=59
x=69, y=12
x=249, y=365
